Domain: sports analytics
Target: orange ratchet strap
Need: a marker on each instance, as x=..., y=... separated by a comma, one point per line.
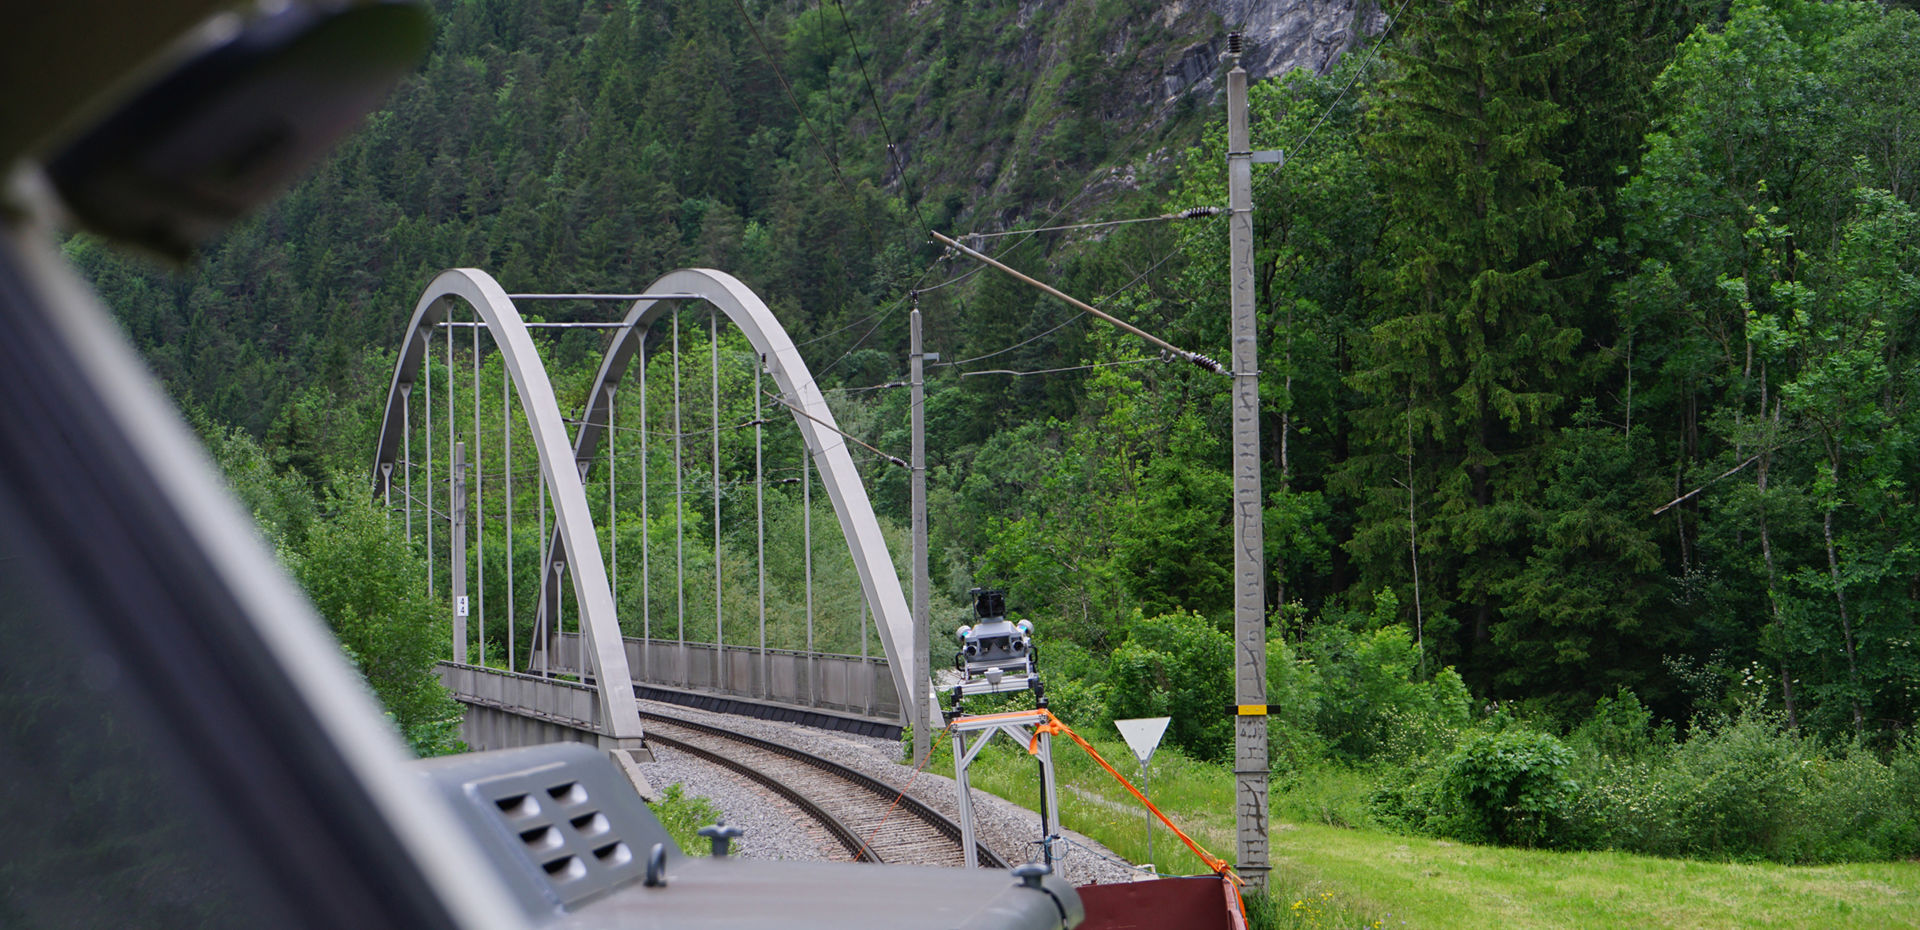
x=1053, y=725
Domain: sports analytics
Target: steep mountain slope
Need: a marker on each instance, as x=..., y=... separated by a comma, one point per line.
x=580, y=144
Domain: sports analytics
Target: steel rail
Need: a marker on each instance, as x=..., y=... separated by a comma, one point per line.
x=909, y=804
x=842, y=833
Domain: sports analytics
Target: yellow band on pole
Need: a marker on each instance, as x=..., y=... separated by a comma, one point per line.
x=1253, y=710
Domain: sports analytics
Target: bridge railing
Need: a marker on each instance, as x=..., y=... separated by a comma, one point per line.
x=844, y=683
x=566, y=704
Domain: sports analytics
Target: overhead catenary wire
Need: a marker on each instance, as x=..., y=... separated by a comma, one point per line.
x=1186, y=214
x=1070, y=320
x=1055, y=371
x=893, y=459
x=893, y=149
x=772, y=63
x=885, y=315
x=1373, y=52
x=1196, y=358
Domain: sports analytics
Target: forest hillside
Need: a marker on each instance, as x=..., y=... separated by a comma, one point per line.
x=1590, y=341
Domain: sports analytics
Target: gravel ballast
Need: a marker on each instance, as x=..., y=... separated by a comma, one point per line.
x=774, y=829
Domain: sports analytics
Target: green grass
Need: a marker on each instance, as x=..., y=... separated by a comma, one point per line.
x=1436, y=884
x=1343, y=877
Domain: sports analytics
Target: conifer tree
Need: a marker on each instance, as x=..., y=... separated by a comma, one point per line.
x=1469, y=352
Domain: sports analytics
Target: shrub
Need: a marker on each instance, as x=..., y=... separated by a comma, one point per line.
x=1621, y=728
x=365, y=579
x=1366, y=688
x=1853, y=809
x=1731, y=790
x=1174, y=665
x=1076, y=684
x=1510, y=786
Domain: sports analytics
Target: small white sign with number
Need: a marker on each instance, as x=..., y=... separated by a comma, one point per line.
x=460, y=606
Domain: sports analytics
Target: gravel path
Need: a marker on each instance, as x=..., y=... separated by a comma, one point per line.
x=774, y=829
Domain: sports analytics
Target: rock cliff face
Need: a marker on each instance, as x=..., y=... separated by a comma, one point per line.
x=1067, y=100
x=1286, y=34
x=1281, y=35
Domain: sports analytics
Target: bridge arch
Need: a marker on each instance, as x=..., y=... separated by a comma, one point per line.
x=825, y=446
x=573, y=522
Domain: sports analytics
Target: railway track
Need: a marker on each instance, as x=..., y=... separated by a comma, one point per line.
x=859, y=811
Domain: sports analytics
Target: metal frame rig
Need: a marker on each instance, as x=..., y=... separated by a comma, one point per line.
x=997, y=655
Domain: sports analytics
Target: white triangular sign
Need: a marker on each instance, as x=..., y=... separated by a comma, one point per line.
x=1143, y=735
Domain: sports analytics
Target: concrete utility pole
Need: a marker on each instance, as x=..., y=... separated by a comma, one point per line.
x=1249, y=539
x=459, y=553
x=918, y=665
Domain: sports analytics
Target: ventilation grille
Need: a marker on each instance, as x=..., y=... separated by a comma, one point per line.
x=562, y=828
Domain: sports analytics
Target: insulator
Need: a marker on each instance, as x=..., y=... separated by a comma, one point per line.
x=1236, y=43
x=1206, y=363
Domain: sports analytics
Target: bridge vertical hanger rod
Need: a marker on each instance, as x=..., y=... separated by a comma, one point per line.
x=479, y=505
x=452, y=423
x=917, y=662
x=719, y=626
x=541, y=640
x=506, y=474
x=1249, y=557
x=406, y=453
x=457, y=550
x=646, y=517
x=613, y=505
x=760, y=519
x=806, y=545
x=426, y=366
x=679, y=508
x=866, y=670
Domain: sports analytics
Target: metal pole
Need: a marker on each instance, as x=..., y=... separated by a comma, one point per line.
x=917, y=671
x=1249, y=557
x=452, y=423
x=760, y=523
x=866, y=663
x=426, y=365
x=541, y=640
x=1146, y=784
x=457, y=554
x=613, y=512
x=966, y=797
x=646, y=517
x=806, y=544
x=719, y=616
x=406, y=446
x=479, y=509
x=679, y=509
x=506, y=471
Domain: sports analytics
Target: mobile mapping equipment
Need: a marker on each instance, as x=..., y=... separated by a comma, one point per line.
x=995, y=653
x=998, y=655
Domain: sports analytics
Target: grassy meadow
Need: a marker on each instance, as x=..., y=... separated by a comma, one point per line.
x=1330, y=872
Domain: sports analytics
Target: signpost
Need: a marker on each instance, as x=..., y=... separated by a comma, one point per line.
x=1143, y=737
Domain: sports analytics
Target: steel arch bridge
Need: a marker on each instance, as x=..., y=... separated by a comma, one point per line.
x=573, y=549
